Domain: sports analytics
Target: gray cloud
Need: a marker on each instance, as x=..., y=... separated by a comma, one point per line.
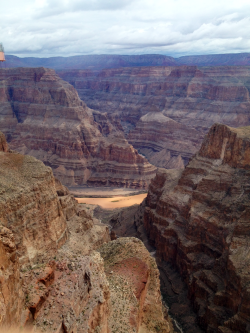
x=56, y=7
x=174, y=27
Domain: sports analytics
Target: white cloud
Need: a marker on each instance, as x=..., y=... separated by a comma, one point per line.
x=70, y=27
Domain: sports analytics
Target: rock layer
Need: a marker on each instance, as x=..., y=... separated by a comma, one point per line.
x=134, y=285
x=198, y=219
x=41, y=115
x=51, y=279
x=192, y=98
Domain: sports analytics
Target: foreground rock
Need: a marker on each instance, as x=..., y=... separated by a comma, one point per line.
x=198, y=219
x=135, y=288
x=188, y=100
x=41, y=115
x=51, y=277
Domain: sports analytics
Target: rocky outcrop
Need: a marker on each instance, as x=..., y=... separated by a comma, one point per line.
x=3, y=143
x=37, y=213
x=11, y=293
x=51, y=277
x=191, y=99
x=134, y=288
x=198, y=219
x=165, y=142
x=41, y=115
x=29, y=206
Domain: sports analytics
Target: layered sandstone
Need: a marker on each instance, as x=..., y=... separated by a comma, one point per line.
x=29, y=206
x=41, y=115
x=51, y=277
x=165, y=142
x=198, y=219
x=192, y=98
x=37, y=213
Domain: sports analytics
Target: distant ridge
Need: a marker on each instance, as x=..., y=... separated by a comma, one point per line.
x=98, y=62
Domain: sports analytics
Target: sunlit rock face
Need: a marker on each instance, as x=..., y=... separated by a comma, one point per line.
x=42, y=115
x=198, y=219
x=192, y=99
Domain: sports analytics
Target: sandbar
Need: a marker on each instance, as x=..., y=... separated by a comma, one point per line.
x=115, y=202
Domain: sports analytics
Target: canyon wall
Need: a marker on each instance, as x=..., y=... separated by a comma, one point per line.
x=41, y=115
x=198, y=220
x=51, y=277
x=166, y=111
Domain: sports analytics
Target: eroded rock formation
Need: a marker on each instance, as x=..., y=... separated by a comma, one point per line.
x=188, y=101
x=198, y=219
x=135, y=289
x=51, y=277
x=41, y=115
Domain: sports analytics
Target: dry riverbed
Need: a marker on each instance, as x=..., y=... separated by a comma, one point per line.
x=114, y=202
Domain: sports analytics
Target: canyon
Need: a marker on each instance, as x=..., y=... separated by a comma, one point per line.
x=166, y=111
x=198, y=221
x=59, y=271
x=43, y=116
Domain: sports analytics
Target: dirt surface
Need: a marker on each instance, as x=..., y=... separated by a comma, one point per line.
x=117, y=202
x=102, y=192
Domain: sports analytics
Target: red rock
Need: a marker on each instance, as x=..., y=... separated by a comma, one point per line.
x=52, y=124
x=192, y=98
x=69, y=293
x=198, y=219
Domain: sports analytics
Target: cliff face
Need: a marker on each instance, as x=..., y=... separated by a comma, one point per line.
x=51, y=277
x=198, y=219
x=165, y=142
x=41, y=115
x=29, y=206
x=194, y=98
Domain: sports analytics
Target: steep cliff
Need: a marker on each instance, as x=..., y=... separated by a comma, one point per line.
x=34, y=212
x=165, y=142
x=194, y=98
x=41, y=115
x=198, y=219
x=51, y=277
x=135, y=289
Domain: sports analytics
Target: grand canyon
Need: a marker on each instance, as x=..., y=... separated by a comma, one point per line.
x=177, y=130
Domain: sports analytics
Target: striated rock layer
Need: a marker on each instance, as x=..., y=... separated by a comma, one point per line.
x=192, y=99
x=41, y=115
x=51, y=279
x=198, y=219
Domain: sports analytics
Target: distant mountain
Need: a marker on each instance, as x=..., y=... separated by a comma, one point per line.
x=230, y=59
x=92, y=61
x=103, y=61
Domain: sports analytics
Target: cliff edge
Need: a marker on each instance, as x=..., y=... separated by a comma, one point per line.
x=198, y=219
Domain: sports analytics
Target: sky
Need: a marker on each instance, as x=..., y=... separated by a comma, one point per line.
x=46, y=28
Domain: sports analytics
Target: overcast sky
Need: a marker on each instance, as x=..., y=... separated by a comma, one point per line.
x=172, y=27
